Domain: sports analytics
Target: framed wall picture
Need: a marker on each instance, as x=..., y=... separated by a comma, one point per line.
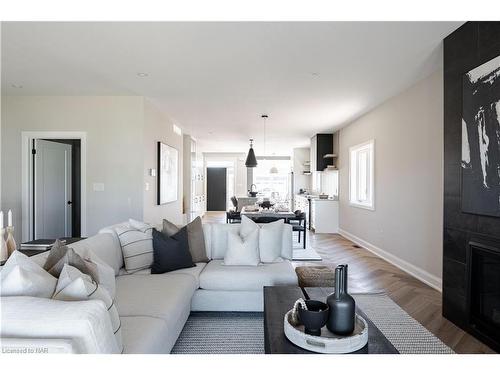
x=168, y=173
x=481, y=140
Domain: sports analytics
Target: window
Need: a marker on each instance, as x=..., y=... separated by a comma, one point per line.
x=361, y=176
x=275, y=186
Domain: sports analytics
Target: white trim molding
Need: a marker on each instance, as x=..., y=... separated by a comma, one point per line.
x=417, y=272
x=26, y=172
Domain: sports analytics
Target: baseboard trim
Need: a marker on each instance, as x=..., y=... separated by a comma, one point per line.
x=417, y=272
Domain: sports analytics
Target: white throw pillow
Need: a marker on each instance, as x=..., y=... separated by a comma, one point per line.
x=242, y=251
x=74, y=285
x=21, y=276
x=247, y=226
x=271, y=242
x=137, y=245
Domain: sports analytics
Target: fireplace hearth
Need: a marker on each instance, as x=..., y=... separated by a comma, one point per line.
x=483, y=289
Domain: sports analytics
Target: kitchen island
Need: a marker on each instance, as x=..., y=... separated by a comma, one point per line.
x=322, y=214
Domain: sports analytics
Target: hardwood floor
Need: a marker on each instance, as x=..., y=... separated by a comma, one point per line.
x=369, y=273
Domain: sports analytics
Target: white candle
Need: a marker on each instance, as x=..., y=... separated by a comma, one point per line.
x=1, y=219
x=9, y=218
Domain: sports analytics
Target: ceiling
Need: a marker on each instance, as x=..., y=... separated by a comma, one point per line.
x=216, y=79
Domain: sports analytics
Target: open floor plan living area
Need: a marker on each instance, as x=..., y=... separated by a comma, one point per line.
x=250, y=188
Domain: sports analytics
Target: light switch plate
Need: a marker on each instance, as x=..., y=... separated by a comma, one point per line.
x=98, y=186
x=152, y=172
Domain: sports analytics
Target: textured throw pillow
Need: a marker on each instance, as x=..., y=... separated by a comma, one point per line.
x=196, y=238
x=137, y=246
x=242, y=251
x=169, y=228
x=101, y=272
x=74, y=285
x=59, y=255
x=271, y=241
x=21, y=276
x=171, y=253
x=247, y=226
x=85, y=261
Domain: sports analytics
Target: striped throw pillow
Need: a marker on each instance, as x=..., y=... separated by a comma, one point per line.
x=74, y=285
x=136, y=240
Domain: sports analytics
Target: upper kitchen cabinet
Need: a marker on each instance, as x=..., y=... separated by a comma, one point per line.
x=322, y=154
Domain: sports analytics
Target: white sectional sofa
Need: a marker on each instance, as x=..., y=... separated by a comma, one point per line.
x=153, y=308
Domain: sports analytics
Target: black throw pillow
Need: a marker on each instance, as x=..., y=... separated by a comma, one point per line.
x=171, y=253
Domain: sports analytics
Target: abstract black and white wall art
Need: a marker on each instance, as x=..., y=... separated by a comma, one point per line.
x=168, y=173
x=481, y=140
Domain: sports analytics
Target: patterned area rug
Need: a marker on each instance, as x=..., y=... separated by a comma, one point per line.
x=243, y=333
x=222, y=333
x=406, y=334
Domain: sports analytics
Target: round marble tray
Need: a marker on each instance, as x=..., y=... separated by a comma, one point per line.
x=328, y=342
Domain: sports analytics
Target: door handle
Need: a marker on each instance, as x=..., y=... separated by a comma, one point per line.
x=69, y=202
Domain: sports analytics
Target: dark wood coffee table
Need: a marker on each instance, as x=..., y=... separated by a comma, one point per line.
x=278, y=300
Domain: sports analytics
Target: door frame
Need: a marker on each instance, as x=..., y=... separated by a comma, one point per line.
x=27, y=138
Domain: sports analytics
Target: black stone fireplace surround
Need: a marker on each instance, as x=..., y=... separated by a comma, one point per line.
x=466, y=236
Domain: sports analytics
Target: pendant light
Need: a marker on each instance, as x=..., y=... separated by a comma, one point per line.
x=251, y=161
x=273, y=169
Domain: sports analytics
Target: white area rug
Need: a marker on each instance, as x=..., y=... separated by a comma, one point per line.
x=308, y=254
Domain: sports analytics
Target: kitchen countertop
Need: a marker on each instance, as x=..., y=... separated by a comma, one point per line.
x=317, y=198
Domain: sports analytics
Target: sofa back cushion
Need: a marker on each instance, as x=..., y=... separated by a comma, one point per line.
x=219, y=238
x=216, y=239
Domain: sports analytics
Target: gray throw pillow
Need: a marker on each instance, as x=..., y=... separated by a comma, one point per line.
x=196, y=238
x=59, y=255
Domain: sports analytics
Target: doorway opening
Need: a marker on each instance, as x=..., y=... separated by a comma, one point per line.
x=53, y=185
x=216, y=189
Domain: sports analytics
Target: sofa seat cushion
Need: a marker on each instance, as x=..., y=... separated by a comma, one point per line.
x=163, y=296
x=217, y=276
x=193, y=271
x=145, y=335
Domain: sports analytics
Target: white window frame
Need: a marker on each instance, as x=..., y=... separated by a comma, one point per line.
x=354, y=201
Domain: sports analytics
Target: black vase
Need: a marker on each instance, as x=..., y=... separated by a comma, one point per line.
x=342, y=306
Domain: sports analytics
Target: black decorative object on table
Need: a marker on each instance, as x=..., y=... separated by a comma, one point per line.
x=315, y=317
x=342, y=314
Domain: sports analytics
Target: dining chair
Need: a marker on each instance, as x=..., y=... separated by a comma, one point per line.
x=298, y=224
x=233, y=216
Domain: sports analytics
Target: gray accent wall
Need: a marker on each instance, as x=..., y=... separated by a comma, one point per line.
x=121, y=144
x=407, y=223
x=159, y=127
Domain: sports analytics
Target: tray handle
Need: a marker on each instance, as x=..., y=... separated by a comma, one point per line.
x=319, y=344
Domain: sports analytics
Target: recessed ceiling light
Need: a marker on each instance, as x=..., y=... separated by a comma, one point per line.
x=14, y=86
x=142, y=74
x=315, y=74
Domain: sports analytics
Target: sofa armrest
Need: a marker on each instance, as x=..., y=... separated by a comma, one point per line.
x=76, y=327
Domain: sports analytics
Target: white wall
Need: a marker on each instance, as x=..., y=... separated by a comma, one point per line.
x=407, y=224
x=121, y=146
x=158, y=127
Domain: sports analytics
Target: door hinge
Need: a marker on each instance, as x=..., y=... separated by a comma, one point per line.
x=33, y=151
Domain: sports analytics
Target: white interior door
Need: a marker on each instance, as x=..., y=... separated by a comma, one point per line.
x=52, y=188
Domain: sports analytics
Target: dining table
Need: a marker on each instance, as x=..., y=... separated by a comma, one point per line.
x=262, y=215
